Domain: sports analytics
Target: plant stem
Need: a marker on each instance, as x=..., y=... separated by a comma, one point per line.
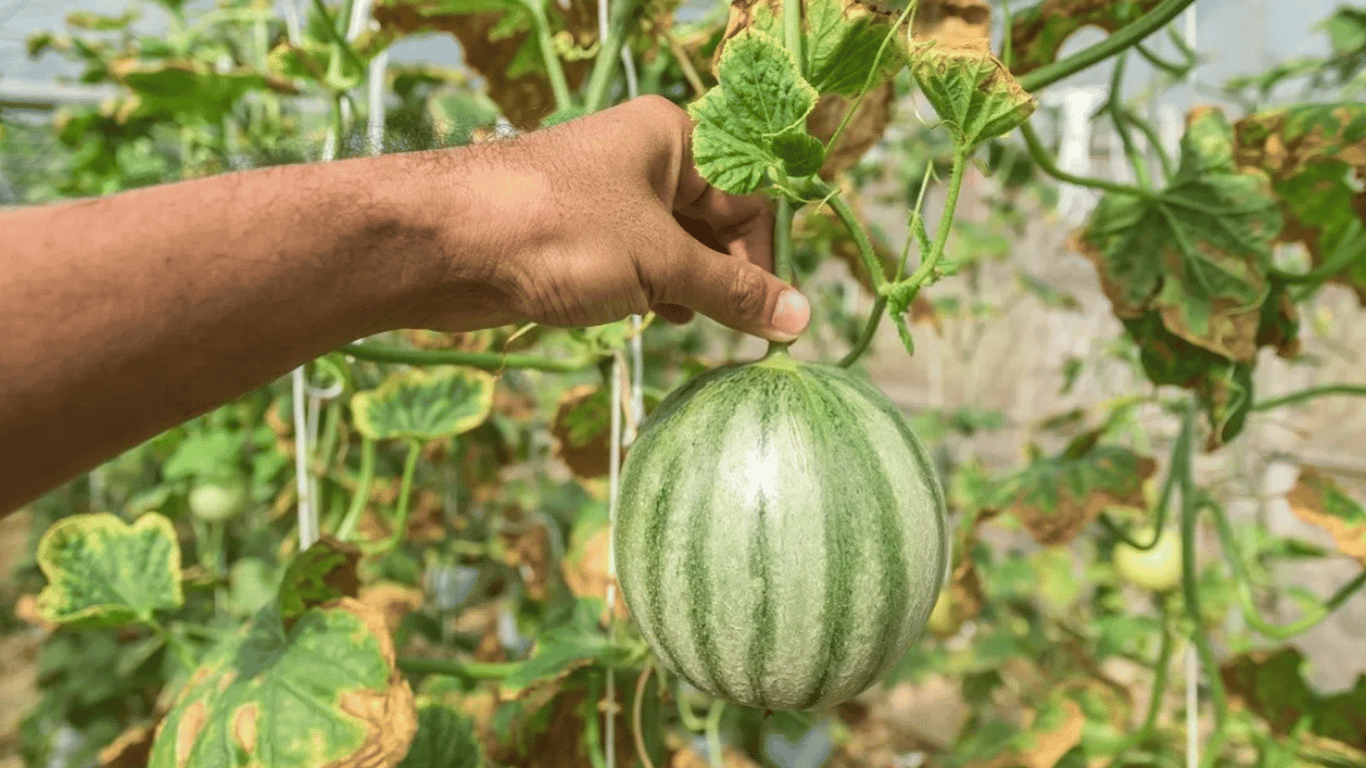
x=1046, y=162
x=782, y=240
x=328, y=444
x=689, y=718
x=1180, y=448
x=641, y=751
x=177, y=646
x=405, y=488
x=909, y=10
x=782, y=257
x=1154, y=142
x=1191, y=591
x=492, y=361
x=337, y=39
x=865, y=247
x=792, y=32
x=1123, y=38
x=869, y=330
x=941, y=233
x=1119, y=118
x=714, y=732
x=358, y=499
x=1358, y=390
x=609, y=54
x=1348, y=249
x=554, y=70
x=1164, y=654
x=1234, y=556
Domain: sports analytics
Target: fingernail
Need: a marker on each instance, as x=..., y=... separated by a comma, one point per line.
x=791, y=314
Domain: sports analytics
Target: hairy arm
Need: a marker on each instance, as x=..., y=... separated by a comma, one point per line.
x=126, y=315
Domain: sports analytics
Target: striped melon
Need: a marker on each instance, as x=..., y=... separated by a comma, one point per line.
x=780, y=535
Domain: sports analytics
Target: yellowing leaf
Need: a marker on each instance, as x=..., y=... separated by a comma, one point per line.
x=1197, y=252
x=1312, y=152
x=421, y=405
x=1059, y=496
x=102, y=571
x=322, y=692
x=1317, y=500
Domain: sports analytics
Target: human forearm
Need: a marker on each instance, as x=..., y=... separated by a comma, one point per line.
x=126, y=315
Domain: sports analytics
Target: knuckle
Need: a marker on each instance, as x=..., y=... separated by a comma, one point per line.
x=749, y=294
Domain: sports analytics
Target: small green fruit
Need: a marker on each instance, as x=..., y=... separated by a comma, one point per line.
x=1157, y=569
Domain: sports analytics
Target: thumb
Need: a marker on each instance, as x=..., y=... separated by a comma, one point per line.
x=735, y=293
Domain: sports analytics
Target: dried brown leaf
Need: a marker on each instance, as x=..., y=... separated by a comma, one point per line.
x=391, y=600
x=863, y=131
x=954, y=23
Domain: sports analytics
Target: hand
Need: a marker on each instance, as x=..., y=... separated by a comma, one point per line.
x=606, y=216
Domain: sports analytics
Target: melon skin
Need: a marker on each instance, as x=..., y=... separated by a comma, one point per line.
x=781, y=535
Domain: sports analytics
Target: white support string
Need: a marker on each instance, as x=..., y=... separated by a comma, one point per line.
x=306, y=412
x=613, y=478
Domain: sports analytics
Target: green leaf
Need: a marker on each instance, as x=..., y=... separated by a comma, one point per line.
x=564, y=115
x=203, y=454
x=103, y=572
x=181, y=90
x=578, y=641
x=1198, y=252
x=97, y=22
x=322, y=692
x=840, y=41
x=320, y=574
x=759, y=95
x=802, y=154
x=445, y=739
x=970, y=90
x=421, y=405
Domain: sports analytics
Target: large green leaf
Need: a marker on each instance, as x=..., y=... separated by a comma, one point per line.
x=578, y=641
x=759, y=95
x=421, y=405
x=103, y=572
x=840, y=41
x=181, y=90
x=322, y=692
x=1197, y=252
x=1311, y=152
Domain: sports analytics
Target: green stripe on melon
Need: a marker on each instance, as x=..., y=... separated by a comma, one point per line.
x=780, y=535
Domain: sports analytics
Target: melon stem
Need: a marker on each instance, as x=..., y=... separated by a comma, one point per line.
x=776, y=349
